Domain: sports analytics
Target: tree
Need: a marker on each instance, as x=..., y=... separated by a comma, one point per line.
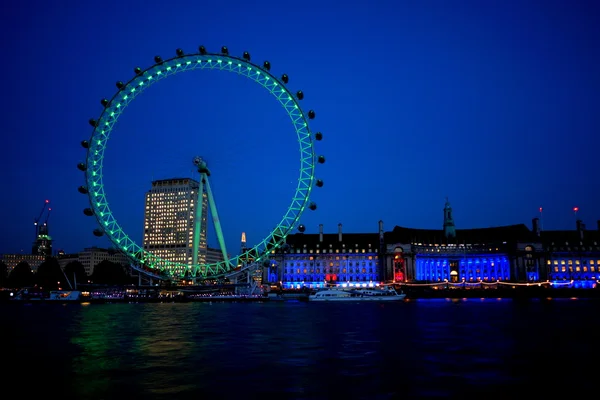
x=49, y=275
x=3, y=274
x=129, y=277
x=109, y=273
x=21, y=275
x=75, y=272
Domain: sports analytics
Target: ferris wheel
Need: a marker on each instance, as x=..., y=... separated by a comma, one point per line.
x=143, y=79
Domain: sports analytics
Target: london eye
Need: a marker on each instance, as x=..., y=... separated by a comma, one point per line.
x=143, y=78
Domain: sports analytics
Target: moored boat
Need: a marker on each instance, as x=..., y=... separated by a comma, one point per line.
x=357, y=294
x=65, y=295
x=34, y=295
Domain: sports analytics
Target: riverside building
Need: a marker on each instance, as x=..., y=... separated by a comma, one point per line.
x=503, y=253
x=318, y=260
x=494, y=255
x=573, y=255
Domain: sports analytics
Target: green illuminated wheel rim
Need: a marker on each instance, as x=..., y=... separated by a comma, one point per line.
x=144, y=78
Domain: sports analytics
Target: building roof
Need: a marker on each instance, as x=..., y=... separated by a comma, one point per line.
x=497, y=234
x=349, y=240
x=571, y=237
x=173, y=181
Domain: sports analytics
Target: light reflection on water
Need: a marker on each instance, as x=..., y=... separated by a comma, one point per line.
x=303, y=350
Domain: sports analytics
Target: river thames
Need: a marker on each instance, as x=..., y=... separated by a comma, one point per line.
x=298, y=350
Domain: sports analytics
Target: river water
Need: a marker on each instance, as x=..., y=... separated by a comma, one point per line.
x=297, y=350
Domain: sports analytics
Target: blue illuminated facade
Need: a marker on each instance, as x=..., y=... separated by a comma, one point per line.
x=505, y=253
x=471, y=262
x=487, y=267
x=320, y=260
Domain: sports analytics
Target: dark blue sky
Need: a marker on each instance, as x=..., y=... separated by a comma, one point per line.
x=491, y=103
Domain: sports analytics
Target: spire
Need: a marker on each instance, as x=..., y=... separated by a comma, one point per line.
x=449, y=229
x=243, y=243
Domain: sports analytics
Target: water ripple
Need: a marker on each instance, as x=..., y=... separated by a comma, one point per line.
x=422, y=349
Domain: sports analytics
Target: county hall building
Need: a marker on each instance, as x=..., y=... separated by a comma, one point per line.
x=512, y=253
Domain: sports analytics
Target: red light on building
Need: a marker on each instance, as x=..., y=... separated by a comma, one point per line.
x=399, y=276
x=399, y=269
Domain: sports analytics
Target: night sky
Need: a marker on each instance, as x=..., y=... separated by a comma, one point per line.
x=493, y=104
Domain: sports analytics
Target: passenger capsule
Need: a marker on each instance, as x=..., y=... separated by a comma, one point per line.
x=85, y=144
x=285, y=78
x=319, y=183
x=301, y=228
x=202, y=50
x=246, y=56
x=158, y=59
x=311, y=114
x=318, y=136
x=137, y=70
x=312, y=206
x=82, y=190
x=81, y=166
x=299, y=95
x=179, y=52
x=224, y=50
x=98, y=232
x=321, y=159
x=120, y=85
x=93, y=122
x=267, y=65
x=88, y=211
x=104, y=102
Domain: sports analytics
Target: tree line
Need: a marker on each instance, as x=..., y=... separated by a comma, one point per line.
x=50, y=276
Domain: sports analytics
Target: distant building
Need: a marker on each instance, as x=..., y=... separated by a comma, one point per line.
x=43, y=242
x=572, y=255
x=12, y=260
x=169, y=220
x=92, y=256
x=504, y=253
x=89, y=258
x=64, y=259
x=42, y=245
x=317, y=260
x=243, y=246
x=247, y=258
x=214, y=256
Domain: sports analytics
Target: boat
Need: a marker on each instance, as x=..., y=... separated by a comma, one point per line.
x=64, y=295
x=33, y=295
x=357, y=294
x=30, y=294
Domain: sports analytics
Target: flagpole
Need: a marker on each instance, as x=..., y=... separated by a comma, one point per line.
x=541, y=219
